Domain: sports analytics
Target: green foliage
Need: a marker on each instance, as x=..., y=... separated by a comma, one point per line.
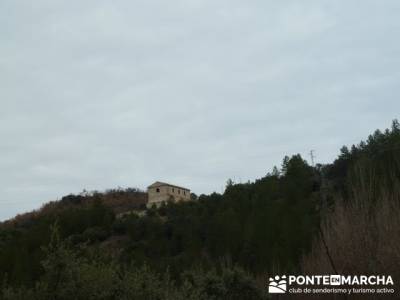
x=21, y=250
x=376, y=161
x=256, y=224
x=176, y=249
x=68, y=275
x=229, y=283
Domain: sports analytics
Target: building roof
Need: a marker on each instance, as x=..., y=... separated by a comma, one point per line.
x=159, y=183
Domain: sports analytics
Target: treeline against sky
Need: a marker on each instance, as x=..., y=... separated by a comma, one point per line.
x=251, y=230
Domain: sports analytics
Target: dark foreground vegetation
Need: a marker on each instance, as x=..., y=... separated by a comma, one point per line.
x=337, y=218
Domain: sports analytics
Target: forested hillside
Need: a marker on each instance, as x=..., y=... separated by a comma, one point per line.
x=219, y=245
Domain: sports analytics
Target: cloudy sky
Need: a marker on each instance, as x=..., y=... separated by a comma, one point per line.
x=99, y=94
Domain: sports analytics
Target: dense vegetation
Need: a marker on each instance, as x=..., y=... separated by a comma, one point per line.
x=220, y=245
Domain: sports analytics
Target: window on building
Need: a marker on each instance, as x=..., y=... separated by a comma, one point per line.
x=179, y=191
x=173, y=190
x=158, y=190
x=184, y=192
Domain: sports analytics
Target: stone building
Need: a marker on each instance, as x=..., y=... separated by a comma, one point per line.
x=160, y=192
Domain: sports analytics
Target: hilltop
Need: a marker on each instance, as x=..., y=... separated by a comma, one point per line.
x=119, y=200
x=284, y=222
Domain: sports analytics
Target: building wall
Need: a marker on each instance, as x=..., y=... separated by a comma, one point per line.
x=165, y=193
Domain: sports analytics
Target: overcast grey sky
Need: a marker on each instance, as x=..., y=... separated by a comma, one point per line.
x=99, y=94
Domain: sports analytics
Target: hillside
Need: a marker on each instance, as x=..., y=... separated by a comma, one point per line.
x=219, y=242
x=118, y=200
